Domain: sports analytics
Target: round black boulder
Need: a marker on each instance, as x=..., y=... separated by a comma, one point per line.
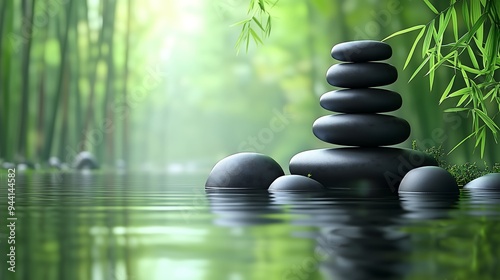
x=363, y=169
x=487, y=182
x=361, y=100
x=429, y=179
x=361, y=75
x=361, y=51
x=365, y=130
x=244, y=171
x=295, y=183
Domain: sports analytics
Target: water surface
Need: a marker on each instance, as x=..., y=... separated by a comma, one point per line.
x=156, y=226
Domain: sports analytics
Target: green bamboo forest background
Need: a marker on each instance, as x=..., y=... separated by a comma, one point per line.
x=160, y=84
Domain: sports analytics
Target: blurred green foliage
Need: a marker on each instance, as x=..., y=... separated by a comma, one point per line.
x=463, y=173
x=160, y=84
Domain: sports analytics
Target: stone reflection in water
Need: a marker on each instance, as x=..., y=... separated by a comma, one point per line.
x=241, y=208
x=368, y=245
x=481, y=202
x=428, y=206
x=356, y=239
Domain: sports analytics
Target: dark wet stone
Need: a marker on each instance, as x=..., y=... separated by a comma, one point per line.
x=85, y=160
x=361, y=100
x=363, y=169
x=361, y=75
x=429, y=179
x=295, y=183
x=244, y=171
x=361, y=51
x=365, y=130
x=490, y=182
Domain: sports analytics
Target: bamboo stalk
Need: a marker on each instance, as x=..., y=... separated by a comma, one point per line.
x=28, y=13
x=55, y=109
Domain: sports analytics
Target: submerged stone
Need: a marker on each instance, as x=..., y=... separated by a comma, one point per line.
x=295, y=183
x=429, y=179
x=244, y=171
x=360, y=168
x=361, y=100
x=365, y=130
x=361, y=75
x=361, y=51
x=488, y=182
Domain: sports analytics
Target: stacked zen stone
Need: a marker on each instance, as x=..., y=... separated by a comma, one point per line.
x=366, y=165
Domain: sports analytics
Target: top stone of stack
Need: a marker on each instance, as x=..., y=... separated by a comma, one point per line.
x=361, y=51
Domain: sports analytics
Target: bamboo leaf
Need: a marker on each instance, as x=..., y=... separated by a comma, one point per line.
x=461, y=142
x=472, y=57
x=455, y=110
x=262, y=5
x=255, y=37
x=468, y=36
x=242, y=22
x=454, y=22
x=431, y=71
x=447, y=90
x=419, y=36
x=410, y=29
x=490, y=93
x=459, y=92
x=441, y=61
x=475, y=15
x=428, y=36
x=462, y=100
x=487, y=120
x=465, y=13
x=472, y=70
x=431, y=7
x=487, y=47
x=444, y=20
x=480, y=140
x=419, y=68
x=258, y=24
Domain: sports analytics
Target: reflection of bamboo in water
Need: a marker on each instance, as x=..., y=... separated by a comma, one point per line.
x=129, y=271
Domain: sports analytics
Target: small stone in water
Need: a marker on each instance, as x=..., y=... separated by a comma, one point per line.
x=487, y=182
x=244, y=171
x=429, y=179
x=294, y=183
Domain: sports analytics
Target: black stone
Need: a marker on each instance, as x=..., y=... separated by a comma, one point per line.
x=85, y=160
x=295, y=183
x=488, y=182
x=361, y=51
x=429, y=179
x=365, y=130
x=361, y=100
x=244, y=171
x=361, y=75
x=361, y=168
